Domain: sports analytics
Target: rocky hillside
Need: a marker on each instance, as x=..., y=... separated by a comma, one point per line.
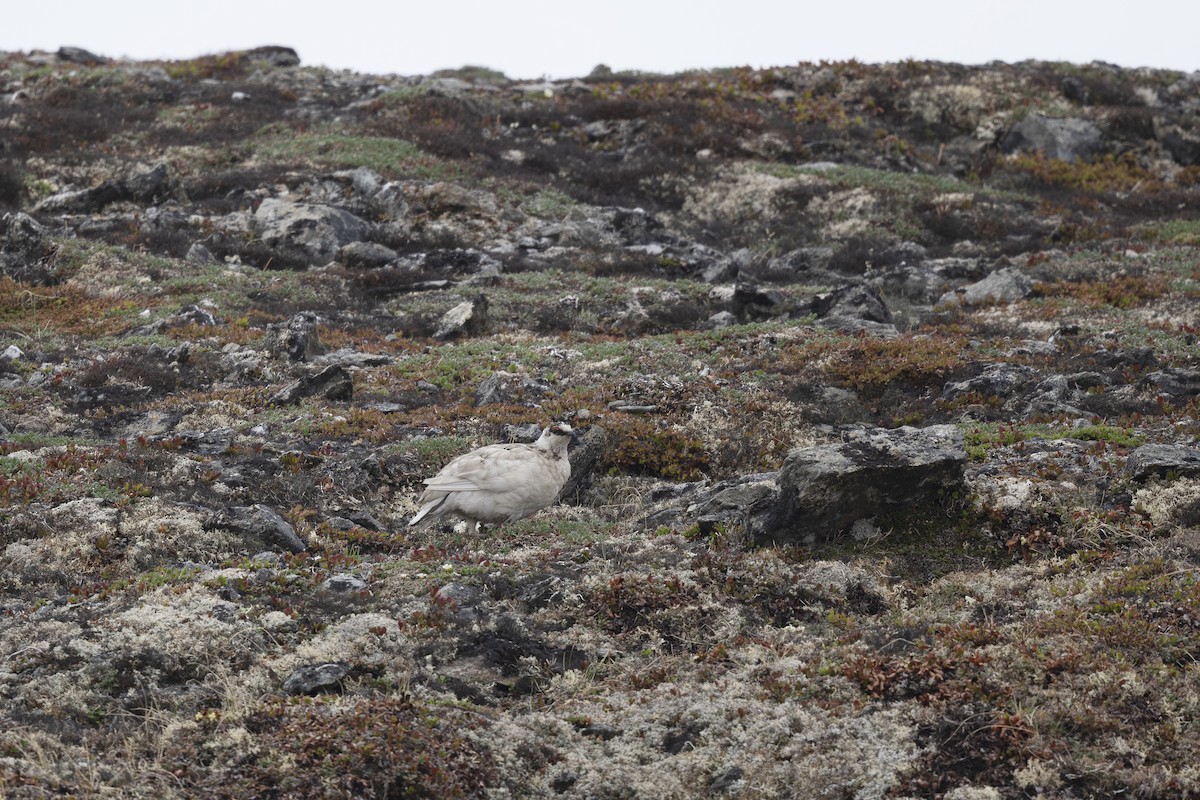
x=888, y=487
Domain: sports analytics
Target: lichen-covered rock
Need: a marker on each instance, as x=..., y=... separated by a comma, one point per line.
x=826, y=488
x=1002, y=286
x=316, y=678
x=332, y=382
x=1163, y=459
x=299, y=338
x=1066, y=139
x=996, y=380
x=142, y=186
x=315, y=231
x=468, y=318
x=25, y=249
x=263, y=525
x=855, y=308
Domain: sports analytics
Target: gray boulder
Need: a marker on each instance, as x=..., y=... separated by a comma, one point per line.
x=313, y=679
x=264, y=524
x=811, y=263
x=1002, y=286
x=752, y=301
x=298, y=338
x=332, y=383
x=200, y=255
x=743, y=502
x=1172, y=381
x=825, y=489
x=585, y=458
x=366, y=255
x=273, y=54
x=468, y=318
x=78, y=55
x=145, y=186
x=853, y=308
x=25, y=249
x=315, y=232
x=1063, y=139
x=996, y=380
x=1152, y=460
x=919, y=284
x=1180, y=137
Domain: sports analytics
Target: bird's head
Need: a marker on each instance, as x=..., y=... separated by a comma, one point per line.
x=561, y=429
x=560, y=434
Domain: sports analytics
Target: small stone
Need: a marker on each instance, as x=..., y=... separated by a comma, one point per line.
x=200, y=255
x=460, y=594
x=563, y=781
x=333, y=383
x=316, y=678
x=344, y=583
x=1152, y=460
x=468, y=318
x=600, y=731
x=724, y=781
x=261, y=521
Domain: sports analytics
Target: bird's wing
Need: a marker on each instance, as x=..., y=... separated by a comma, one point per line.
x=495, y=468
x=452, y=483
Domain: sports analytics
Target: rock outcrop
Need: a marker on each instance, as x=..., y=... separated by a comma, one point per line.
x=825, y=489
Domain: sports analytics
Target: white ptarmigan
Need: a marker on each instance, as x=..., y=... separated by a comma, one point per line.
x=499, y=482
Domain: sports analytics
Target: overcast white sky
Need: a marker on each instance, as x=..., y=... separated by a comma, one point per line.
x=566, y=38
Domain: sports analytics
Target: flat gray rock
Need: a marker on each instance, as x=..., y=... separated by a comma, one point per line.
x=316, y=678
x=315, y=231
x=1066, y=139
x=1002, y=286
x=1160, y=460
x=333, y=383
x=825, y=489
x=264, y=523
x=468, y=318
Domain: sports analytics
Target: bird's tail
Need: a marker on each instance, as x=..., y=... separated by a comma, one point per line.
x=428, y=509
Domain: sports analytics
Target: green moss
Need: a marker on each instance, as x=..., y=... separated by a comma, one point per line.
x=437, y=450
x=1121, y=437
x=1105, y=174
x=335, y=147
x=223, y=66
x=558, y=532
x=473, y=73
x=548, y=204
x=1184, y=232
x=981, y=437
